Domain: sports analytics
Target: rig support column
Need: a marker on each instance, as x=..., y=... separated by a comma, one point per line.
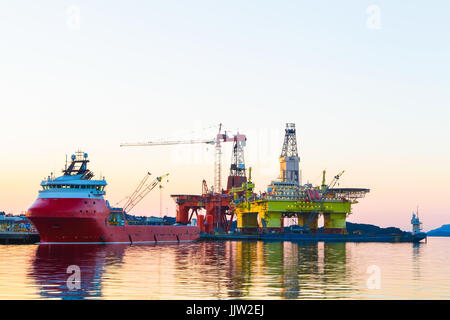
x=247, y=222
x=335, y=223
x=309, y=220
x=182, y=214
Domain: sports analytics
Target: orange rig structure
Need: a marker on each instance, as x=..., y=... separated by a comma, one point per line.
x=218, y=216
x=216, y=201
x=218, y=205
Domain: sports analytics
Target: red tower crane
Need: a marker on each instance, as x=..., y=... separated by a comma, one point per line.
x=217, y=202
x=238, y=139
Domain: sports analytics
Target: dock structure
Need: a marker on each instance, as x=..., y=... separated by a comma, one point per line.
x=16, y=230
x=19, y=237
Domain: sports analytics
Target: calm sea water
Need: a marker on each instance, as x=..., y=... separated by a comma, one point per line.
x=228, y=270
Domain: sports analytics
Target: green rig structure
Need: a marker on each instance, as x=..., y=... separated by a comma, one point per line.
x=286, y=198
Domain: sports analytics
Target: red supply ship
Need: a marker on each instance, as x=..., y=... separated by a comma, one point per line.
x=72, y=209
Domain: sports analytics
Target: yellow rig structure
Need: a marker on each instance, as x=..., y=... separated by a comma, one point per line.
x=286, y=198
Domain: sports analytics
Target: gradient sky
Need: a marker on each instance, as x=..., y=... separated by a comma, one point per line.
x=371, y=101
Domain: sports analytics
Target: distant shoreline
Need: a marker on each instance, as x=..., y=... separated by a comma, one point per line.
x=443, y=231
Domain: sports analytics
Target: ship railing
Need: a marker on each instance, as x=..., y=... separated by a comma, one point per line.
x=112, y=208
x=94, y=192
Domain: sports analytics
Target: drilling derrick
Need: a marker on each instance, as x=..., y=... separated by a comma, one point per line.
x=289, y=159
x=237, y=169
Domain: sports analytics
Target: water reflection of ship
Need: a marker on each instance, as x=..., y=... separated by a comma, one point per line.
x=50, y=269
x=236, y=269
x=417, y=260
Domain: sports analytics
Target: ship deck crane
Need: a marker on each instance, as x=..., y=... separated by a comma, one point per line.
x=335, y=179
x=141, y=191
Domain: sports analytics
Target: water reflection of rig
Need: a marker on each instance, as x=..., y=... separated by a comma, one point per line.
x=265, y=212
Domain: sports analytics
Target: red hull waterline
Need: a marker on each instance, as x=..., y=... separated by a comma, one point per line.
x=65, y=212
x=86, y=221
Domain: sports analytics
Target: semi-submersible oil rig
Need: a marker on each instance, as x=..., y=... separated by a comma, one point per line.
x=265, y=212
x=262, y=215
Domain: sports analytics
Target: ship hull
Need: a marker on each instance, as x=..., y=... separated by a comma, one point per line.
x=69, y=220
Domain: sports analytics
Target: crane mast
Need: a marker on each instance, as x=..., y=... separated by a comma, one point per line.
x=136, y=191
x=335, y=179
